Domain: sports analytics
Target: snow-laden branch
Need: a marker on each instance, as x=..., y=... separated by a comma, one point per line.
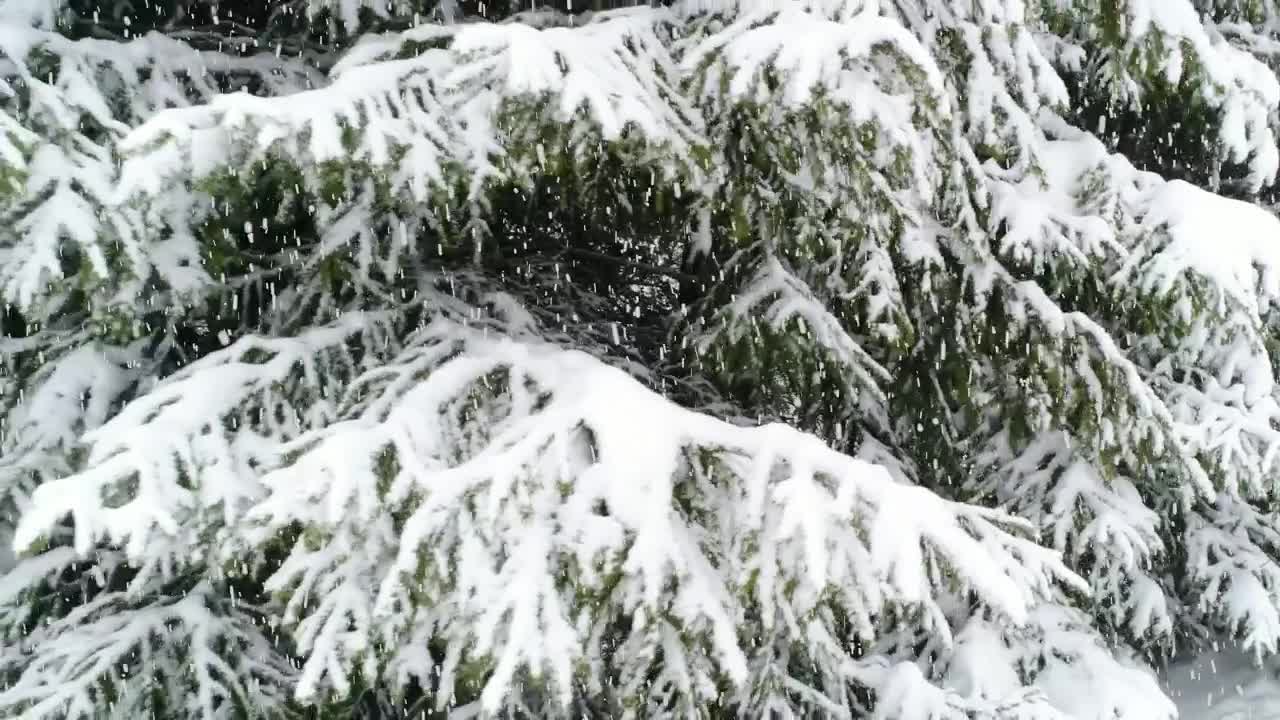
x=507, y=498
x=198, y=654
x=136, y=487
x=435, y=109
x=71, y=101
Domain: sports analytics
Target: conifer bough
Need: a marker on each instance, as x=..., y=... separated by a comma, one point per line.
x=772, y=358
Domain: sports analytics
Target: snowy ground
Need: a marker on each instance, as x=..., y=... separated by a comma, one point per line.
x=1225, y=686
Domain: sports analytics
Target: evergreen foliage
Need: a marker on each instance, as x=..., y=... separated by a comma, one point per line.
x=766, y=358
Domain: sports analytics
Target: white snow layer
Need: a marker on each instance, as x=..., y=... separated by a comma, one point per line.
x=832, y=522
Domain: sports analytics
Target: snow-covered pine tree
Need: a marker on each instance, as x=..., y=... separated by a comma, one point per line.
x=765, y=359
